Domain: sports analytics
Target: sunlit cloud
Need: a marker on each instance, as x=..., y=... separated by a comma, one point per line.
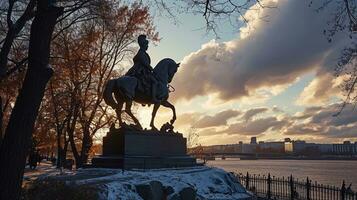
x=267, y=60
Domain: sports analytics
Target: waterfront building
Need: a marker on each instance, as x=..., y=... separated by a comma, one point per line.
x=347, y=148
x=298, y=147
x=302, y=147
x=249, y=148
x=271, y=147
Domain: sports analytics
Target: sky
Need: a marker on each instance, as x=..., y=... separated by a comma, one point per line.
x=273, y=78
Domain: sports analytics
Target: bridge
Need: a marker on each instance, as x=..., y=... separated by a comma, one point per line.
x=226, y=155
x=210, y=155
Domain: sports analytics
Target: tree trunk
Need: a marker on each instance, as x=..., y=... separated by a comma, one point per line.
x=71, y=125
x=18, y=133
x=76, y=155
x=87, y=143
x=59, y=151
x=65, y=149
x=1, y=119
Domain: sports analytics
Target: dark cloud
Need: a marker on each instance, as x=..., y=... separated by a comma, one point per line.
x=304, y=129
x=342, y=132
x=275, y=53
x=218, y=119
x=326, y=116
x=252, y=112
x=208, y=132
x=320, y=121
x=317, y=122
x=256, y=127
x=308, y=112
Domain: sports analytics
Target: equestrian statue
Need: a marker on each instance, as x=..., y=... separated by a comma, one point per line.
x=142, y=84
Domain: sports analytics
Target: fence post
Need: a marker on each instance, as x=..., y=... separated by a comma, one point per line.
x=308, y=188
x=343, y=190
x=269, y=186
x=292, y=192
x=247, y=181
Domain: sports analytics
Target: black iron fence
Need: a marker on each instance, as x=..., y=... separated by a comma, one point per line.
x=290, y=188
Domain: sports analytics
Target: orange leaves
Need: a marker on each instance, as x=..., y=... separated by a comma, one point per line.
x=86, y=55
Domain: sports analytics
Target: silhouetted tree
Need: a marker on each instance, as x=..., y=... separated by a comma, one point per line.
x=87, y=56
x=18, y=132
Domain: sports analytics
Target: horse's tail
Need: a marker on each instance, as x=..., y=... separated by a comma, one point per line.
x=108, y=93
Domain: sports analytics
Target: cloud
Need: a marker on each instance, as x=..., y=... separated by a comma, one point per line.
x=342, y=131
x=187, y=119
x=308, y=112
x=272, y=55
x=208, y=132
x=277, y=109
x=256, y=127
x=321, y=122
x=320, y=90
x=326, y=116
x=304, y=129
x=252, y=112
x=316, y=123
x=218, y=119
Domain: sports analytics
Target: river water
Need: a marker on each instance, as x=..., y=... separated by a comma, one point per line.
x=330, y=172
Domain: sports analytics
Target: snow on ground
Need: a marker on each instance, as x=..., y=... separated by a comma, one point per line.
x=209, y=182
x=43, y=169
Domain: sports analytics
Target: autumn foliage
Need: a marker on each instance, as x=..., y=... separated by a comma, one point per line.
x=84, y=56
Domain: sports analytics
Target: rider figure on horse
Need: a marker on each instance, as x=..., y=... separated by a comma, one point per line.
x=143, y=71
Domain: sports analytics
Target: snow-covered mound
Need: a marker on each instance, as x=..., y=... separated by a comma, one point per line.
x=180, y=183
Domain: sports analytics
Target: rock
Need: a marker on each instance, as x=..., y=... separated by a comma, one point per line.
x=174, y=196
x=188, y=193
x=217, y=181
x=168, y=190
x=144, y=191
x=157, y=190
x=150, y=191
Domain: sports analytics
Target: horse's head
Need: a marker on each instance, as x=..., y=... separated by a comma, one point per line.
x=166, y=69
x=172, y=71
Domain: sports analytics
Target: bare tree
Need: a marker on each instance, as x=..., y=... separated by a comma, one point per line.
x=343, y=19
x=87, y=56
x=19, y=129
x=192, y=137
x=214, y=12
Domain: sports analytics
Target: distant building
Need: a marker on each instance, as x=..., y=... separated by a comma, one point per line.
x=288, y=146
x=325, y=148
x=303, y=148
x=298, y=147
x=271, y=147
x=249, y=148
x=347, y=148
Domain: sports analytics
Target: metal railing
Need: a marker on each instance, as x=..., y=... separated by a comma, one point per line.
x=290, y=188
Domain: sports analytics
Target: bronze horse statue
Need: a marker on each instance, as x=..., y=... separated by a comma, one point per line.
x=126, y=91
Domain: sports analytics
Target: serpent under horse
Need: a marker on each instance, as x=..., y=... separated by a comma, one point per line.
x=126, y=91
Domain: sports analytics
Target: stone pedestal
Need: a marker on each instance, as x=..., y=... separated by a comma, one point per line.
x=130, y=149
